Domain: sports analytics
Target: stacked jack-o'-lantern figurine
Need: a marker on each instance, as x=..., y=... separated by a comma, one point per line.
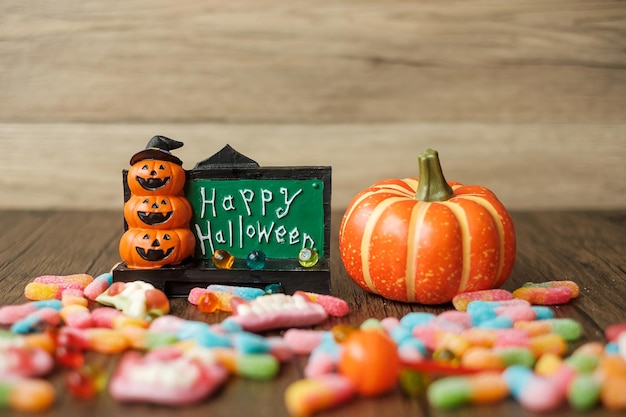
x=157, y=212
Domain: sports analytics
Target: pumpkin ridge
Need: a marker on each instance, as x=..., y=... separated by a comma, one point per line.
x=461, y=217
x=417, y=219
x=367, y=236
x=498, y=220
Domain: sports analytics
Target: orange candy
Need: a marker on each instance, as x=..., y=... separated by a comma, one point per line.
x=369, y=359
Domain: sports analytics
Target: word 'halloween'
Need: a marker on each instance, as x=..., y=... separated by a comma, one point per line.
x=249, y=217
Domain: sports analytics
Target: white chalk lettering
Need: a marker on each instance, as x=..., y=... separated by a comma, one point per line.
x=204, y=238
x=205, y=202
x=248, y=196
x=228, y=203
x=283, y=211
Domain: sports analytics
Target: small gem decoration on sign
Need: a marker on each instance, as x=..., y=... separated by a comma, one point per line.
x=256, y=260
x=222, y=259
x=307, y=257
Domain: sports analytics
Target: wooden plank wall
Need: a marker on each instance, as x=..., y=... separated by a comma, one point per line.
x=526, y=97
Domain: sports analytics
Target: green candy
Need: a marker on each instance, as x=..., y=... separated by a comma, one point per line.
x=584, y=392
x=159, y=339
x=569, y=329
x=583, y=363
x=450, y=392
x=258, y=366
x=517, y=356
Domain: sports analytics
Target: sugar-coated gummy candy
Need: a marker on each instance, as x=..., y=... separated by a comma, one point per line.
x=456, y=391
x=612, y=332
x=462, y=300
x=553, y=284
x=307, y=396
x=570, y=329
x=544, y=295
x=10, y=314
x=99, y=285
x=334, y=306
x=174, y=382
x=246, y=293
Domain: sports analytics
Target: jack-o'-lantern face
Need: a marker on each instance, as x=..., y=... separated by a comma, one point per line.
x=151, y=176
x=153, y=248
x=157, y=211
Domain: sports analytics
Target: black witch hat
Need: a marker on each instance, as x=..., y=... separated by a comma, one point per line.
x=158, y=147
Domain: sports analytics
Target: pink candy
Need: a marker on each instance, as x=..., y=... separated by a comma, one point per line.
x=171, y=381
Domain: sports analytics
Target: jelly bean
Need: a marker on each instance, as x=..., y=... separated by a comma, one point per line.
x=610, y=333
x=38, y=291
x=548, y=364
x=334, y=306
x=547, y=343
x=481, y=388
x=26, y=394
x=37, y=320
x=498, y=322
x=460, y=318
x=569, y=329
x=462, y=300
x=584, y=392
x=12, y=313
x=544, y=295
x=511, y=337
x=553, y=284
x=108, y=341
x=533, y=392
x=612, y=393
x=481, y=358
x=307, y=396
x=246, y=293
x=99, y=285
x=257, y=366
x=543, y=312
x=411, y=350
x=308, y=257
x=517, y=313
x=256, y=260
x=222, y=259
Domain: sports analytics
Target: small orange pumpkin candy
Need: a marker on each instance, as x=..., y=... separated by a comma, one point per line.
x=425, y=240
x=154, y=248
x=155, y=176
x=157, y=211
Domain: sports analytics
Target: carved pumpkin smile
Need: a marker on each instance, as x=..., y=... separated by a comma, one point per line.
x=152, y=184
x=154, y=255
x=153, y=219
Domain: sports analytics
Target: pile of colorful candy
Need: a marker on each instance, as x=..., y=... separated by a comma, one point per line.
x=495, y=344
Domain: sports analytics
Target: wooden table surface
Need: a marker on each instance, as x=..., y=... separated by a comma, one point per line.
x=584, y=246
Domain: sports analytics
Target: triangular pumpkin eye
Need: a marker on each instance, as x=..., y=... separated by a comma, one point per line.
x=144, y=167
x=163, y=202
x=146, y=236
x=161, y=166
x=146, y=201
x=166, y=237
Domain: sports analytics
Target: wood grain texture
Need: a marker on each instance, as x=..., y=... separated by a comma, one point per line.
x=584, y=246
x=528, y=166
x=313, y=61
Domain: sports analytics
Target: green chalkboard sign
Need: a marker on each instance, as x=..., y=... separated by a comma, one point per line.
x=241, y=207
x=277, y=216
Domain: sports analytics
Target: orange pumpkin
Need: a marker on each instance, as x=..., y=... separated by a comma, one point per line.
x=157, y=211
x=155, y=176
x=154, y=248
x=425, y=240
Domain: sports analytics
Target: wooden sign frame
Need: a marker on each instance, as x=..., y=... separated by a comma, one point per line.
x=229, y=168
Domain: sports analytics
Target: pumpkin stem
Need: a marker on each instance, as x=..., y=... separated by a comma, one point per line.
x=432, y=186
